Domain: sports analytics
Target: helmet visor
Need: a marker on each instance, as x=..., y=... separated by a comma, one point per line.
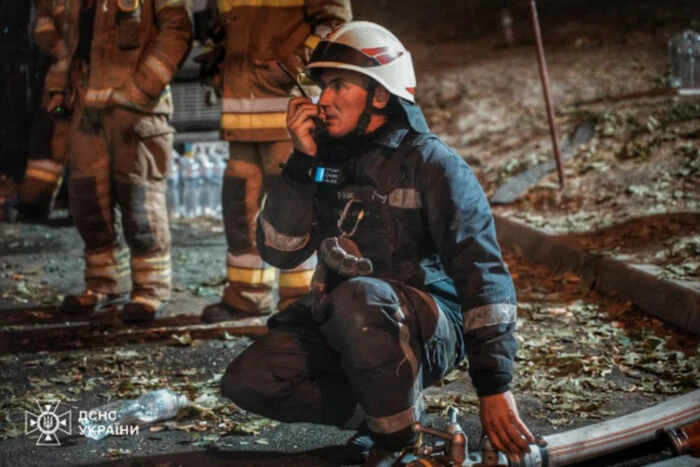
x=341, y=53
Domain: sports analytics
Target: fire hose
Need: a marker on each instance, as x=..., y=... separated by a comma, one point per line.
x=677, y=421
x=614, y=435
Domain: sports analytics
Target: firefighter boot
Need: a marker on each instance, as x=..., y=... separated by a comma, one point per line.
x=142, y=310
x=91, y=301
x=218, y=312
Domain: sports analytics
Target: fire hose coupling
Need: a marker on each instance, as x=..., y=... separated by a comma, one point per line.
x=683, y=440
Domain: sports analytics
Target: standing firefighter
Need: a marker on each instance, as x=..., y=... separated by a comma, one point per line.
x=51, y=129
x=254, y=36
x=410, y=277
x=123, y=54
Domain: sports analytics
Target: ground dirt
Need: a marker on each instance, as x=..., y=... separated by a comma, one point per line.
x=632, y=189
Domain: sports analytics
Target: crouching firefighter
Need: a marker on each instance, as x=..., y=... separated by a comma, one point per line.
x=410, y=277
x=123, y=54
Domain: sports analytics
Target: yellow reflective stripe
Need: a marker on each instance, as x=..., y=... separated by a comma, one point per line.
x=158, y=68
x=251, y=276
x=253, y=121
x=98, y=95
x=42, y=175
x=151, y=277
x=150, y=260
x=44, y=25
x=226, y=5
x=296, y=279
x=162, y=4
x=312, y=41
x=106, y=271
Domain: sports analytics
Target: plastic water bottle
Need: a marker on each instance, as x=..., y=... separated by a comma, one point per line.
x=217, y=181
x=206, y=166
x=191, y=187
x=116, y=417
x=172, y=191
x=684, y=57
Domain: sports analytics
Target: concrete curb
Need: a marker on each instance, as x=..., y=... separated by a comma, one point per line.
x=671, y=301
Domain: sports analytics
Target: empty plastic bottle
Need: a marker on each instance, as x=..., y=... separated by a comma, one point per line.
x=206, y=167
x=117, y=417
x=172, y=193
x=684, y=57
x=217, y=181
x=190, y=174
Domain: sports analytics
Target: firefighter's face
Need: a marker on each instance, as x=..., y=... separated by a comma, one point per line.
x=343, y=99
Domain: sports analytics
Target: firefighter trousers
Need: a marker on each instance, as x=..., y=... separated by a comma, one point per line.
x=49, y=151
x=119, y=165
x=369, y=349
x=250, y=281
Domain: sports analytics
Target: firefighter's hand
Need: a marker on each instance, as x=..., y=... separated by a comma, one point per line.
x=55, y=101
x=272, y=72
x=502, y=424
x=301, y=124
x=343, y=256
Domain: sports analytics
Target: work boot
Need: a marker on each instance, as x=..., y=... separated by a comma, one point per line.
x=142, y=311
x=394, y=449
x=359, y=445
x=380, y=457
x=91, y=301
x=218, y=312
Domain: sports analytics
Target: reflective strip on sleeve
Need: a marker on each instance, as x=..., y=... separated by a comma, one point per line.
x=98, y=95
x=163, y=4
x=226, y=5
x=280, y=241
x=251, y=276
x=295, y=279
x=241, y=121
x=312, y=41
x=159, y=69
x=44, y=24
x=489, y=315
x=405, y=198
x=257, y=105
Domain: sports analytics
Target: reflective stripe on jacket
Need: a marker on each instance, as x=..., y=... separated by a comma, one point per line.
x=254, y=108
x=423, y=220
x=137, y=48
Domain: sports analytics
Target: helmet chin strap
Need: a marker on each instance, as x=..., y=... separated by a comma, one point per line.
x=366, y=115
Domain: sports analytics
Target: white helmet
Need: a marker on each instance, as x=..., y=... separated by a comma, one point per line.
x=369, y=49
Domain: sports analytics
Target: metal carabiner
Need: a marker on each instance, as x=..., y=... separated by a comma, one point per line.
x=344, y=214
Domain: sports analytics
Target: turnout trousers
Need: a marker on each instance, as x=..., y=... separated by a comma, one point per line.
x=118, y=165
x=365, y=354
x=48, y=156
x=250, y=281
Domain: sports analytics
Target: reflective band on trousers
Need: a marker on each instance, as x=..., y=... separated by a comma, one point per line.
x=489, y=315
x=256, y=105
x=251, y=276
x=111, y=264
x=280, y=241
x=296, y=279
x=44, y=170
x=226, y=5
x=253, y=121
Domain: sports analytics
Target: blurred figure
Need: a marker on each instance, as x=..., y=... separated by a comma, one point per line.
x=245, y=45
x=122, y=55
x=51, y=126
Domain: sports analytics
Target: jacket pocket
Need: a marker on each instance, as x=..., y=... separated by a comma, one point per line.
x=128, y=24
